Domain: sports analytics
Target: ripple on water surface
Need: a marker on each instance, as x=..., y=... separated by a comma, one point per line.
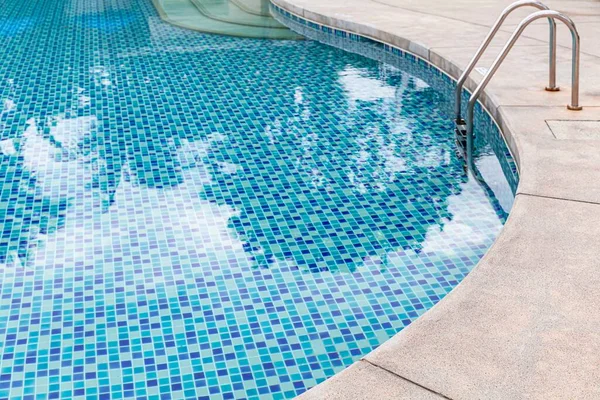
x=196, y=216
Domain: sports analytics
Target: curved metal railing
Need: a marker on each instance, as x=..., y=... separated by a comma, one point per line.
x=488, y=39
x=498, y=61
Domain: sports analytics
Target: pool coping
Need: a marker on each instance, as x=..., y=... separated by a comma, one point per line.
x=507, y=330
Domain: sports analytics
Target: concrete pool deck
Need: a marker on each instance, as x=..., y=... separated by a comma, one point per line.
x=525, y=322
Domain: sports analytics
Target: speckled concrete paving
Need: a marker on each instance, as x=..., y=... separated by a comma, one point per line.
x=525, y=324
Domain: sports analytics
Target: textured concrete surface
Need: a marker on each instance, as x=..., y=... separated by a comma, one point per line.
x=363, y=380
x=552, y=167
x=525, y=323
x=575, y=130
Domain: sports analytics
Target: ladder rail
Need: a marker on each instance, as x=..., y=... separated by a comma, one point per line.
x=498, y=61
x=490, y=36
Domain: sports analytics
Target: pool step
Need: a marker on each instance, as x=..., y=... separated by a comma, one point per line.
x=256, y=7
x=228, y=11
x=185, y=14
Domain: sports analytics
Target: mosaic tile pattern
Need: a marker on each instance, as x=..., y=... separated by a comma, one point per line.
x=201, y=217
x=490, y=146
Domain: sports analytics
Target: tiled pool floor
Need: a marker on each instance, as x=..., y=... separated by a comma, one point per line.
x=196, y=216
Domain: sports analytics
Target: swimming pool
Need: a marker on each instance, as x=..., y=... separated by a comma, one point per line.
x=195, y=216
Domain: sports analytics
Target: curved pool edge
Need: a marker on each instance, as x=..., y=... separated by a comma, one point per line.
x=518, y=326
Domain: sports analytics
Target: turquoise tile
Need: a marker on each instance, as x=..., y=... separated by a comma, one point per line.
x=197, y=216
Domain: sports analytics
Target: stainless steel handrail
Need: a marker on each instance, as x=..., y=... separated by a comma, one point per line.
x=488, y=39
x=498, y=61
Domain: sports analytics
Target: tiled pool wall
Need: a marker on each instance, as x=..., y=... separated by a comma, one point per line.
x=488, y=140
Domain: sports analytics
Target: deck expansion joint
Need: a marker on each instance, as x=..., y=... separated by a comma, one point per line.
x=557, y=198
x=407, y=379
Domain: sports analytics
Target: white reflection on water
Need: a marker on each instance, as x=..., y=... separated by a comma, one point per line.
x=360, y=86
x=476, y=223
x=102, y=188
x=95, y=226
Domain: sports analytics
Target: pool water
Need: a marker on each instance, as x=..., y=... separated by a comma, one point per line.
x=197, y=216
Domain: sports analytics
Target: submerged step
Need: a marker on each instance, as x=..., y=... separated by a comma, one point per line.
x=258, y=7
x=227, y=11
x=185, y=14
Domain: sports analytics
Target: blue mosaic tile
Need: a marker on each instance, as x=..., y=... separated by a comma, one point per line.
x=200, y=217
x=490, y=146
